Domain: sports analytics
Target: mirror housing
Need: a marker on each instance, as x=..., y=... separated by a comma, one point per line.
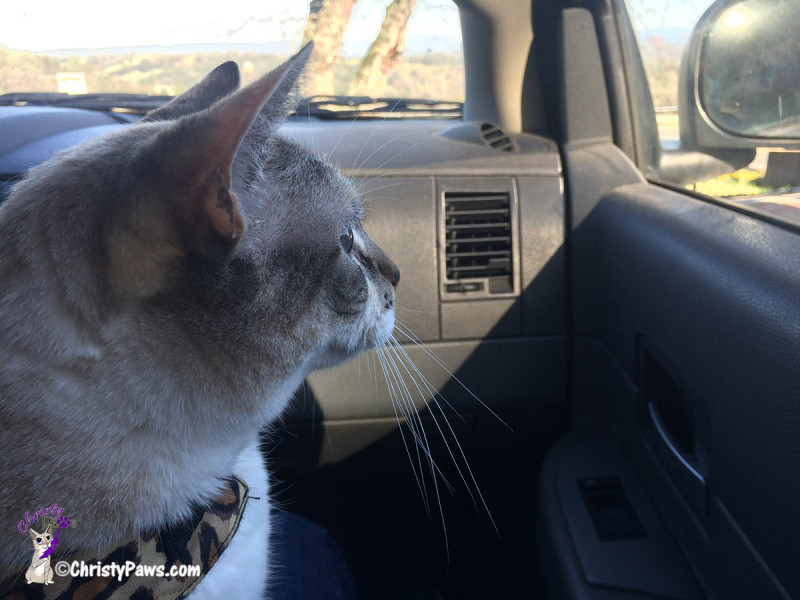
x=718, y=130
x=687, y=161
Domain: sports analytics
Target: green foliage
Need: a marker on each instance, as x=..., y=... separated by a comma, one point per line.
x=744, y=182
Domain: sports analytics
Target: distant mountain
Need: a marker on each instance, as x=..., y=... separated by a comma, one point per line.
x=414, y=46
x=420, y=44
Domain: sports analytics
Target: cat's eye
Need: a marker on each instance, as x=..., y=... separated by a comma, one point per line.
x=38, y=540
x=47, y=538
x=346, y=239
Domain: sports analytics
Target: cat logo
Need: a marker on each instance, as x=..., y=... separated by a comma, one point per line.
x=40, y=571
x=44, y=543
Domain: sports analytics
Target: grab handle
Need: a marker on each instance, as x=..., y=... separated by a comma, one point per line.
x=666, y=438
x=681, y=465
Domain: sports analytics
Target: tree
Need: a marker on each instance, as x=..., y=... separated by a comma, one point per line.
x=326, y=25
x=385, y=51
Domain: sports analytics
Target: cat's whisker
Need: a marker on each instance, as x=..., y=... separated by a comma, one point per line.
x=411, y=406
x=448, y=309
x=425, y=397
x=313, y=409
x=435, y=481
x=381, y=187
x=314, y=146
x=388, y=160
x=392, y=198
x=341, y=137
x=438, y=495
x=381, y=147
x=399, y=351
x=355, y=162
x=429, y=312
x=375, y=371
x=429, y=395
x=367, y=359
x=397, y=403
x=402, y=352
x=415, y=340
x=408, y=409
x=420, y=484
x=434, y=468
x=432, y=391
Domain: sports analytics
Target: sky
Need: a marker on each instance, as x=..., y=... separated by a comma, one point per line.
x=56, y=25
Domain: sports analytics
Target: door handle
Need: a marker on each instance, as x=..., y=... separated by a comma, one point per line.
x=663, y=433
x=681, y=465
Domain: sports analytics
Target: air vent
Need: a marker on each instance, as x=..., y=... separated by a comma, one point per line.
x=496, y=138
x=478, y=243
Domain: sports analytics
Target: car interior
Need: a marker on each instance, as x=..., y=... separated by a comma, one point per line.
x=604, y=363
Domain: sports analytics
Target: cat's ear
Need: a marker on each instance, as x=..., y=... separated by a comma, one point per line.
x=192, y=209
x=216, y=85
x=33, y=533
x=206, y=150
x=284, y=98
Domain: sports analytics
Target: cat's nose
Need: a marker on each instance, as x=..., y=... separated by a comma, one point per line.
x=389, y=270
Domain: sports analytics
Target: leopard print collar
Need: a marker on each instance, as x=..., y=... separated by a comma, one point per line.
x=201, y=541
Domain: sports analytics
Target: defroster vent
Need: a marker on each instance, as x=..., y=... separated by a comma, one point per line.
x=496, y=138
x=479, y=255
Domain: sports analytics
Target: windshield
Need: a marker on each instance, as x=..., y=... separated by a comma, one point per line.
x=368, y=48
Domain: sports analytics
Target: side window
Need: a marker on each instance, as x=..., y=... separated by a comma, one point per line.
x=741, y=66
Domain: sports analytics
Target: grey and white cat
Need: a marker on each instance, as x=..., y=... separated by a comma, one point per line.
x=164, y=290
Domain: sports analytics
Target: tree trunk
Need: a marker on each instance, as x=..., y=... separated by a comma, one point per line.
x=385, y=51
x=326, y=25
x=314, y=6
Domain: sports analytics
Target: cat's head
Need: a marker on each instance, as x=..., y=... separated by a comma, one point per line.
x=202, y=213
x=41, y=541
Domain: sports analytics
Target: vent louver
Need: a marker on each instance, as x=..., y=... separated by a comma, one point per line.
x=496, y=138
x=478, y=243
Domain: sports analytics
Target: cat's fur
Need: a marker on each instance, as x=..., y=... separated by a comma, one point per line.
x=161, y=300
x=39, y=570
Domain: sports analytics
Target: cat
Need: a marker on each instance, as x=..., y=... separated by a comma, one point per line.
x=164, y=290
x=40, y=571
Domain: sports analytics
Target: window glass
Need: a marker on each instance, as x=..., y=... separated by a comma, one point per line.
x=663, y=29
x=162, y=48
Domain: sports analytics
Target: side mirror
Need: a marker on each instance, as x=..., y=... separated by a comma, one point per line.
x=740, y=77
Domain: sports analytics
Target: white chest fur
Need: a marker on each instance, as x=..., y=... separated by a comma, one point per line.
x=241, y=571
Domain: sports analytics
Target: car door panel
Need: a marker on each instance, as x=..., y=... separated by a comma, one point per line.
x=716, y=294
x=711, y=297
x=685, y=322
